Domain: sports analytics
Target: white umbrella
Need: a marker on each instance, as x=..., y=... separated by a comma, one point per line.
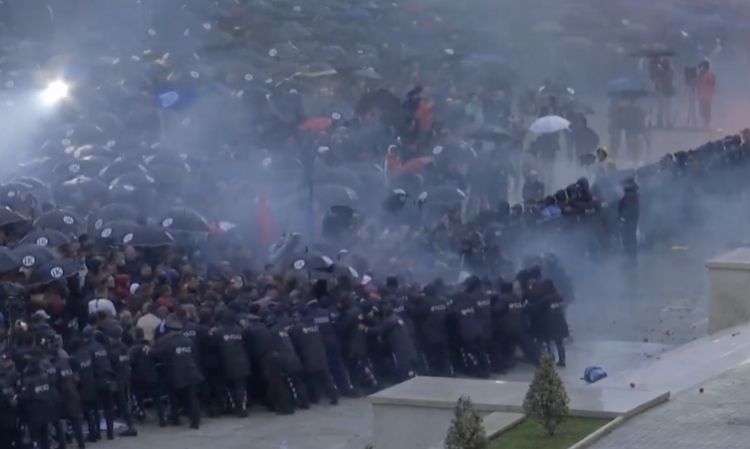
x=549, y=124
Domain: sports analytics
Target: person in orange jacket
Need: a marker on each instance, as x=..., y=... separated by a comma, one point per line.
x=705, y=87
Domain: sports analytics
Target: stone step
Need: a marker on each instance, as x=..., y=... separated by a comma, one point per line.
x=498, y=422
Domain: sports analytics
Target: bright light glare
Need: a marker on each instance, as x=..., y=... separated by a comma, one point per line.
x=55, y=91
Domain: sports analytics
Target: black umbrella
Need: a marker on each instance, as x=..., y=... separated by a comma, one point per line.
x=14, y=189
x=163, y=158
x=333, y=194
x=81, y=190
x=8, y=216
x=9, y=261
x=50, y=238
x=311, y=262
x=93, y=151
x=112, y=212
x=54, y=270
x=89, y=166
x=32, y=181
x=117, y=230
x=626, y=88
x=32, y=255
x=147, y=237
x=132, y=181
x=382, y=100
x=184, y=219
x=61, y=220
x=120, y=167
x=344, y=269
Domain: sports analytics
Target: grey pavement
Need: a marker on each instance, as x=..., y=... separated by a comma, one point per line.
x=718, y=418
x=346, y=426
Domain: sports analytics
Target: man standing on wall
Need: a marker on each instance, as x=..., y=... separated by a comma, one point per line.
x=706, y=86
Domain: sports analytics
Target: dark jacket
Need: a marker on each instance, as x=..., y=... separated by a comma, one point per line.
x=38, y=398
x=551, y=315
x=142, y=364
x=284, y=351
x=430, y=315
x=82, y=365
x=464, y=318
x=66, y=383
x=103, y=372
x=120, y=361
x=397, y=338
x=233, y=353
x=509, y=316
x=176, y=353
x=351, y=335
x=308, y=342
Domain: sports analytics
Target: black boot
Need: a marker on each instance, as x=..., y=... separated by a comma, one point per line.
x=129, y=432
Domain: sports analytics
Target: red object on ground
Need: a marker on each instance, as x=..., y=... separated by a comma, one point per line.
x=267, y=231
x=316, y=124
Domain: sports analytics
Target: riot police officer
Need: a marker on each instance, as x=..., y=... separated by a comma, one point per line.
x=120, y=362
x=308, y=341
x=38, y=401
x=175, y=351
x=234, y=360
x=8, y=404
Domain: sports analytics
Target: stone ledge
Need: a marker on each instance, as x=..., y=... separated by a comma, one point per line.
x=499, y=422
x=490, y=396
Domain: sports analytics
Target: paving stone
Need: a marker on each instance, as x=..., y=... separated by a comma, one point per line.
x=718, y=418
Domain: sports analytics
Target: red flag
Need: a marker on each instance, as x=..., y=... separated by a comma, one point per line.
x=267, y=231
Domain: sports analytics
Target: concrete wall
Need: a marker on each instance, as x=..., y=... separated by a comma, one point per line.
x=405, y=427
x=729, y=277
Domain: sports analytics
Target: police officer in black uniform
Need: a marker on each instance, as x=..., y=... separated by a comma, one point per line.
x=266, y=375
x=212, y=393
x=120, y=361
x=553, y=322
x=511, y=327
x=396, y=338
x=145, y=376
x=175, y=352
x=37, y=400
x=308, y=341
x=430, y=315
x=628, y=212
x=105, y=380
x=9, y=382
x=353, y=337
x=325, y=315
x=81, y=362
x=66, y=385
x=234, y=360
x=289, y=363
x=469, y=331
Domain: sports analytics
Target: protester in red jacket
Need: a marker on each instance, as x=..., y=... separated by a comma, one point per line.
x=706, y=86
